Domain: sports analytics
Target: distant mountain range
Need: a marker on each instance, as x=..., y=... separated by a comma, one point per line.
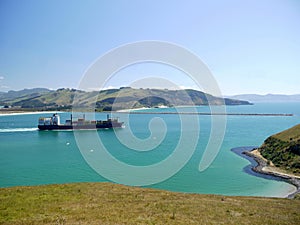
x=267, y=98
x=106, y=100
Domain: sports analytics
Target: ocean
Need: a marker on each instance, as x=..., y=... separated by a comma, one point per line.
x=32, y=157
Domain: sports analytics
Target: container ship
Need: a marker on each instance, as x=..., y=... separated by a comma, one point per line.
x=53, y=123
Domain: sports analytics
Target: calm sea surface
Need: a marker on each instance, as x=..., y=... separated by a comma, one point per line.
x=32, y=157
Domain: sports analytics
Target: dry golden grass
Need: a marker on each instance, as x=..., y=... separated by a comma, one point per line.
x=106, y=203
x=292, y=134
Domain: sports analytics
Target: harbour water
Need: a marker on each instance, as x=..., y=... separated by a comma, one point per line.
x=32, y=157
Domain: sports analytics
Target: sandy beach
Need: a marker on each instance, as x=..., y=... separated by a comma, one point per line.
x=13, y=112
x=129, y=110
x=269, y=169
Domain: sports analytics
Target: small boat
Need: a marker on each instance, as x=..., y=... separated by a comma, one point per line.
x=53, y=123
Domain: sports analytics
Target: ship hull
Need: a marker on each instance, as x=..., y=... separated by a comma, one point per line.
x=80, y=127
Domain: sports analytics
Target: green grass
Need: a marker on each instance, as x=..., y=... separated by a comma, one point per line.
x=283, y=150
x=106, y=203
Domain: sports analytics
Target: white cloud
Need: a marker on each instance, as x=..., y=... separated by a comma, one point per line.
x=194, y=87
x=1, y=78
x=112, y=87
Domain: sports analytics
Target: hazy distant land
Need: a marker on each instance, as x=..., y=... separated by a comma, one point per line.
x=267, y=98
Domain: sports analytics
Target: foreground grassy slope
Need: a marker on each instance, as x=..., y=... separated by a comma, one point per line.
x=283, y=149
x=105, y=203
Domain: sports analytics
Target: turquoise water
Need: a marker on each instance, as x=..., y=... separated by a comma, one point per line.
x=32, y=157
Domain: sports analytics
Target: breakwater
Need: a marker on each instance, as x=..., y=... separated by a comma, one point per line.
x=208, y=113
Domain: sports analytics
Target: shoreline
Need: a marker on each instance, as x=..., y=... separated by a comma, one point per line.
x=130, y=110
x=259, y=167
x=12, y=113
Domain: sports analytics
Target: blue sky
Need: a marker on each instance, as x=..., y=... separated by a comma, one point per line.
x=250, y=46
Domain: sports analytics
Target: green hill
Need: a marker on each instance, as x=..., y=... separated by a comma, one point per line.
x=113, y=99
x=283, y=149
x=10, y=95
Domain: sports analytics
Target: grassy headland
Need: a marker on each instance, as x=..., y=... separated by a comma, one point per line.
x=283, y=150
x=107, y=100
x=106, y=203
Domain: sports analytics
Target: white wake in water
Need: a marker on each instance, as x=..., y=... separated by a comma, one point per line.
x=18, y=129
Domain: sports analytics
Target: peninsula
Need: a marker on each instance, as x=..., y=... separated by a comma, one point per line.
x=107, y=100
x=279, y=156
